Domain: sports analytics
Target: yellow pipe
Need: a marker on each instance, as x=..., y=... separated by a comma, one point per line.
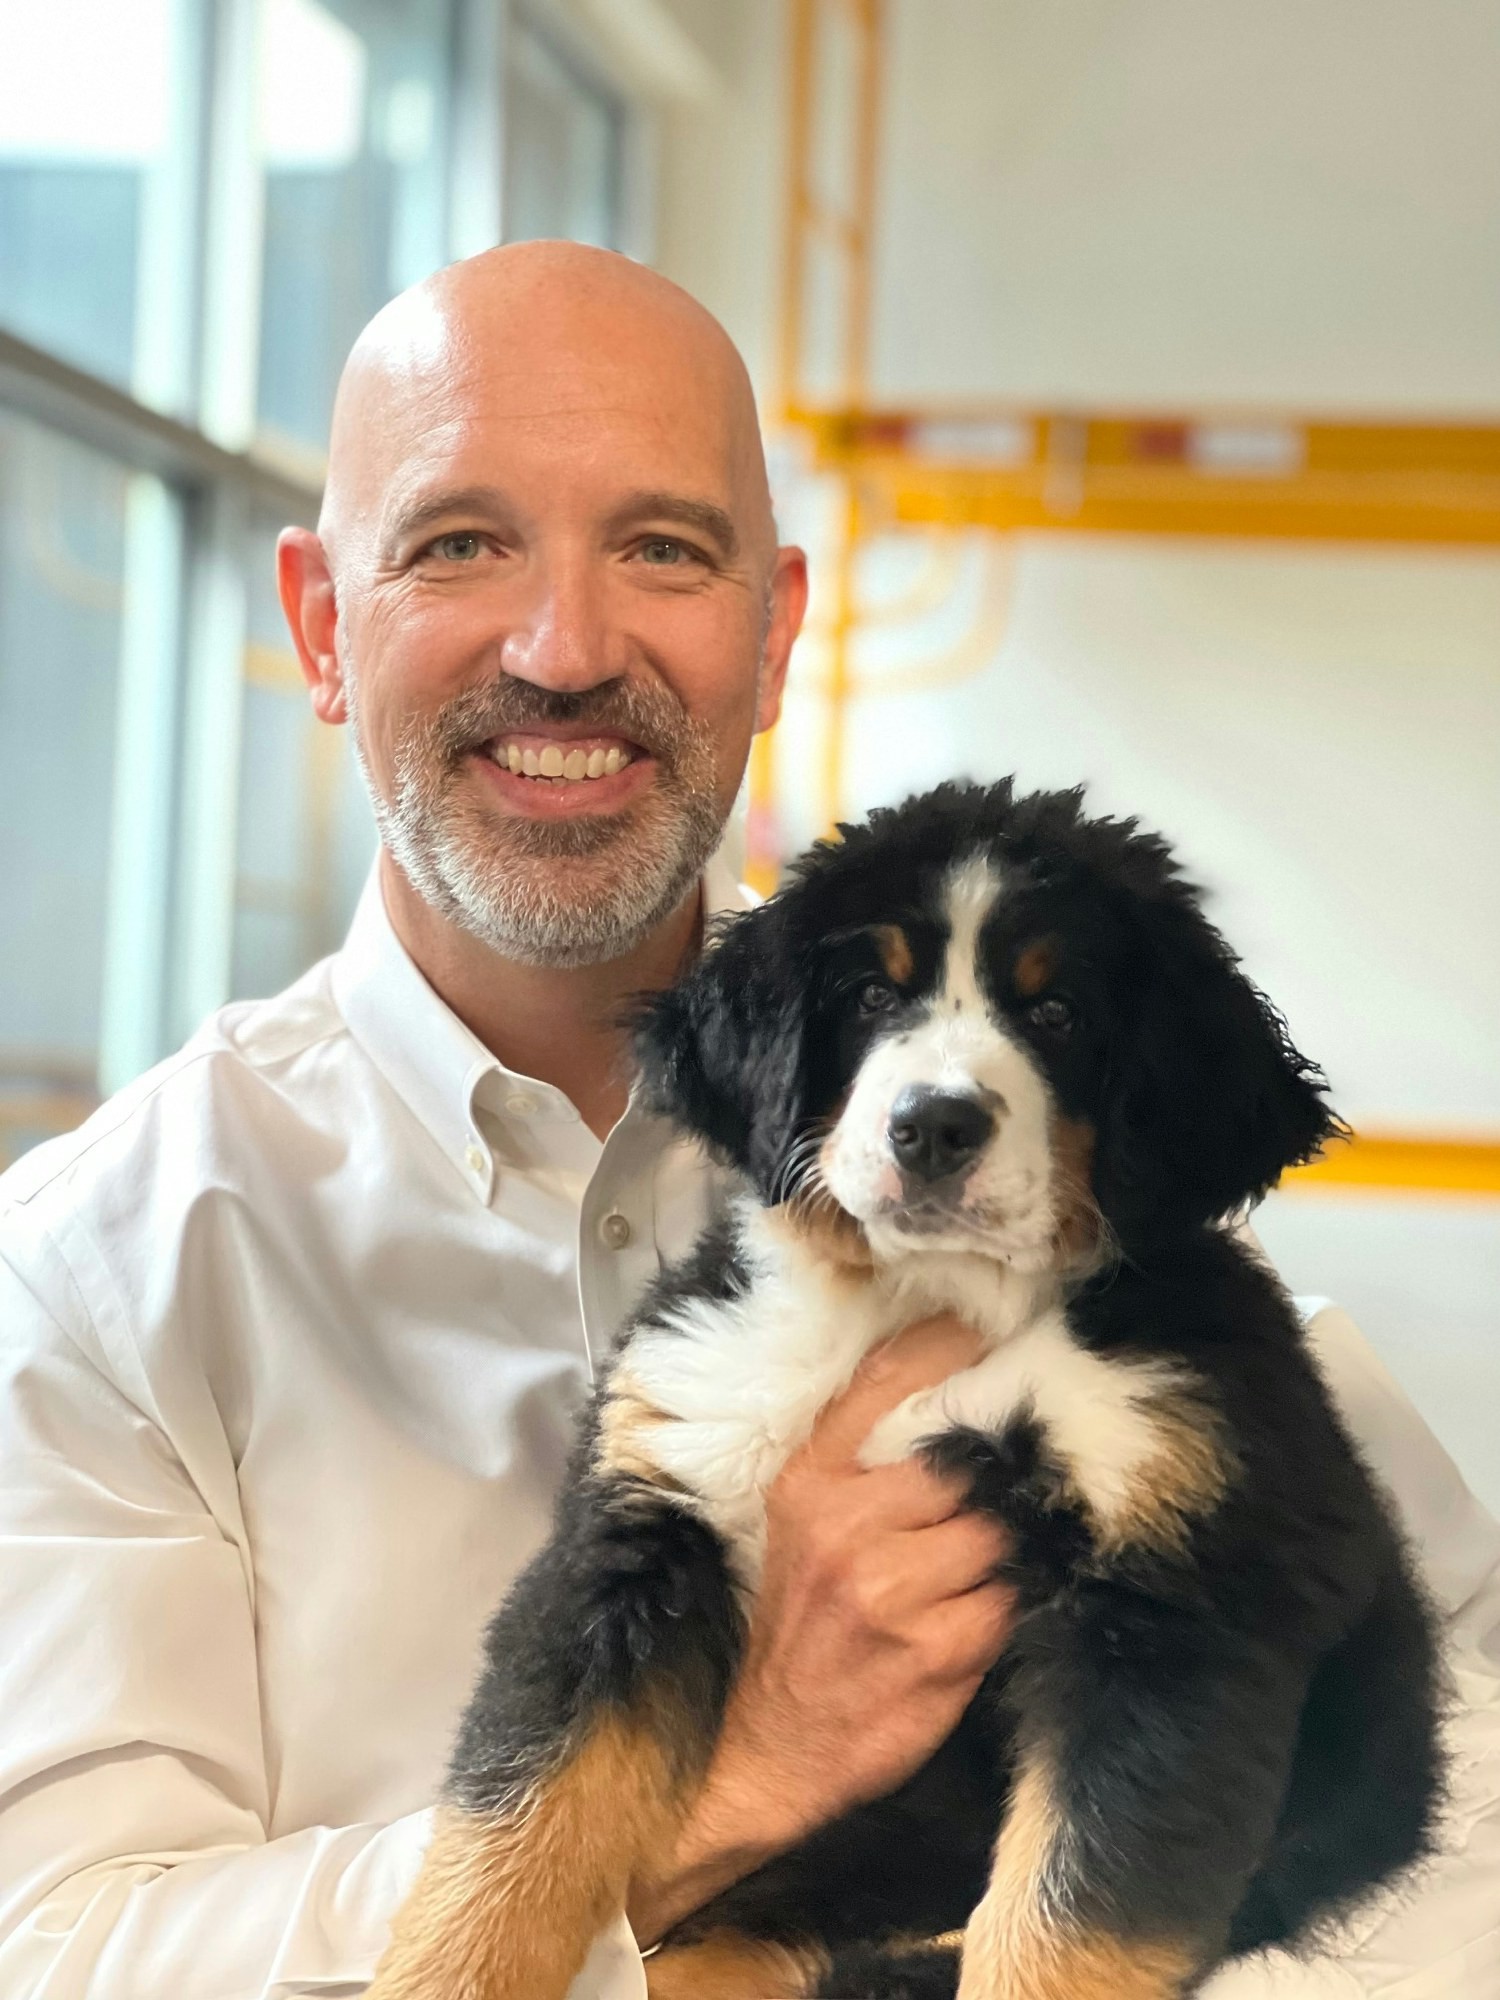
x=840, y=647
x=1404, y=1164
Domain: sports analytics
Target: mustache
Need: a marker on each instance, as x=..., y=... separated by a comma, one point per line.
x=649, y=716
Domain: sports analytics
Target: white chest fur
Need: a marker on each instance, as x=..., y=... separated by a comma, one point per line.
x=742, y=1383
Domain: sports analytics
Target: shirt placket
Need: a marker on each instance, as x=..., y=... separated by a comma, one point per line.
x=617, y=1255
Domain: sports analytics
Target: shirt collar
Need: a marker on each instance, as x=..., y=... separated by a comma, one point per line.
x=433, y=1062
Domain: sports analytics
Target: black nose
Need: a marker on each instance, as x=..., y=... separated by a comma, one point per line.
x=935, y=1133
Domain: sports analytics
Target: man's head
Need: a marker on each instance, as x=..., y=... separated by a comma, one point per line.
x=546, y=590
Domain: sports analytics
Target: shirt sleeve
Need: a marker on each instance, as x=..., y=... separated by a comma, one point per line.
x=134, y=1856
x=1437, y=1937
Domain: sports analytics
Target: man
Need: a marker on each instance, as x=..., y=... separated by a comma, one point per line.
x=292, y=1331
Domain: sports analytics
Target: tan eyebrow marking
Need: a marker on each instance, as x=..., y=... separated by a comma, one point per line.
x=895, y=951
x=1035, y=967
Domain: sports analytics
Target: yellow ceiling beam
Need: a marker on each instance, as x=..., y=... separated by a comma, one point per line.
x=1101, y=473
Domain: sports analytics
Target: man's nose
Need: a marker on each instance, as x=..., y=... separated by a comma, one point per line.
x=561, y=639
x=937, y=1133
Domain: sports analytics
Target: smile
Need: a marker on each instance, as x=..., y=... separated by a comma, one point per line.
x=562, y=760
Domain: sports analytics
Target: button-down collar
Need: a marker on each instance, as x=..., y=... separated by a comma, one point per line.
x=449, y=1081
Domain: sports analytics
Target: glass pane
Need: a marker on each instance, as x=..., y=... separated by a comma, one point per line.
x=62, y=559
x=90, y=172
x=352, y=106
x=306, y=834
x=563, y=149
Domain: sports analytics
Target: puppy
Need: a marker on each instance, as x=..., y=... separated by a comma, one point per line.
x=985, y=1054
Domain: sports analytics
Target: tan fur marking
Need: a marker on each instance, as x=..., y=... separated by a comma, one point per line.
x=820, y=1223
x=1097, y=1968
x=727, y=1967
x=1020, y=1943
x=949, y=1941
x=1080, y=1228
x=626, y=1424
x=1034, y=968
x=1184, y=1481
x=895, y=951
x=507, y=1908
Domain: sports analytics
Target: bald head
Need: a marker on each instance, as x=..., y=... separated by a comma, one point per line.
x=532, y=337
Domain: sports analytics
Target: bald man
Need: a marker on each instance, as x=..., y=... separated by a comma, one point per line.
x=292, y=1333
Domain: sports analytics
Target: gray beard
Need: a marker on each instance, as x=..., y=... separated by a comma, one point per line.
x=559, y=894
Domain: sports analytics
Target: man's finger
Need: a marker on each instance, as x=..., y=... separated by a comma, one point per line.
x=919, y=1358
x=968, y=1633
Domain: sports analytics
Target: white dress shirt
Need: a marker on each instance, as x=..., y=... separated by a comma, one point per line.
x=292, y=1335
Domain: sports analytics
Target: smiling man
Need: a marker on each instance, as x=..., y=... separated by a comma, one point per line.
x=293, y=1331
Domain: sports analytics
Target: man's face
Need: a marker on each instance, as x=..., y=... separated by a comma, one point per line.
x=557, y=631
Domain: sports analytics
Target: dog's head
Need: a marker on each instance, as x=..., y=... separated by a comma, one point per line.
x=983, y=1023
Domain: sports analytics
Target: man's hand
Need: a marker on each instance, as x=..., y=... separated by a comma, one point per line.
x=877, y=1617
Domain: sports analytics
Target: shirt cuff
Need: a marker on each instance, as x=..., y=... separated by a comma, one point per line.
x=613, y=1970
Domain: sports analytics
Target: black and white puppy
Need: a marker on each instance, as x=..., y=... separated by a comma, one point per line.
x=983, y=1054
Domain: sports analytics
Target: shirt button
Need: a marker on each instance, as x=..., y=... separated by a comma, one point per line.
x=615, y=1231
x=522, y=1103
x=476, y=1162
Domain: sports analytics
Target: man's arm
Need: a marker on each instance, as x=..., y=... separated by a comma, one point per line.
x=877, y=1617
x=134, y=1857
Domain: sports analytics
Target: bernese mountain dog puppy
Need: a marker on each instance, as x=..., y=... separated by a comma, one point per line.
x=983, y=1054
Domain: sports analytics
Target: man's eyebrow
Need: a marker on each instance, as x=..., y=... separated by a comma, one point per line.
x=701, y=514
x=487, y=501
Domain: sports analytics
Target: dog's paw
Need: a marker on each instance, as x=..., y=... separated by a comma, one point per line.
x=901, y=1430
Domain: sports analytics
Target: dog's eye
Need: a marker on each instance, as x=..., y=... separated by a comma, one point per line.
x=1055, y=1014
x=875, y=997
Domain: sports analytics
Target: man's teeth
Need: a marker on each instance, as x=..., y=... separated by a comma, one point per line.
x=555, y=762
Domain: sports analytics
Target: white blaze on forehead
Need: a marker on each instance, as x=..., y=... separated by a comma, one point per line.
x=973, y=890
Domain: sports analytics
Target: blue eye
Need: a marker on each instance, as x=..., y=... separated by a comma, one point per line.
x=875, y=997
x=458, y=548
x=663, y=553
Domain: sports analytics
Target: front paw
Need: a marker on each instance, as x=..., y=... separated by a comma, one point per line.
x=901, y=1430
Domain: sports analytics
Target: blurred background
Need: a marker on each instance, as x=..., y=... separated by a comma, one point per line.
x=1130, y=369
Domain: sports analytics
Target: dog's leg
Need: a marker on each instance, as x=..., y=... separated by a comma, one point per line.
x=582, y=1750
x=1028, y=1940
x=1155, y=1734
x=1155, y=1750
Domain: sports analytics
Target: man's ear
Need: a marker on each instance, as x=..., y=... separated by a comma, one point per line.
x=1208, y=1101
x=721, y=1052
x=305, y=581
x=788, y=608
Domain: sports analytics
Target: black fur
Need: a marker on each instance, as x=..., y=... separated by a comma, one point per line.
x=1244, y=1728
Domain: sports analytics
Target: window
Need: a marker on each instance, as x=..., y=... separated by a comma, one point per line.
x=563, y=155
x=62, y=580
x=350, y=115
x=201, y=202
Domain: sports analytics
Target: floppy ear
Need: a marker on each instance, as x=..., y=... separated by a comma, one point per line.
x=1208, y=1101
x=721, y=1052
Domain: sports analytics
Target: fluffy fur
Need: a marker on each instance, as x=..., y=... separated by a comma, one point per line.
x=987, y=1054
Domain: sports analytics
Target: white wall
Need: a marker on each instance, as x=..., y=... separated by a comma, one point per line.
x=1159, y=201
